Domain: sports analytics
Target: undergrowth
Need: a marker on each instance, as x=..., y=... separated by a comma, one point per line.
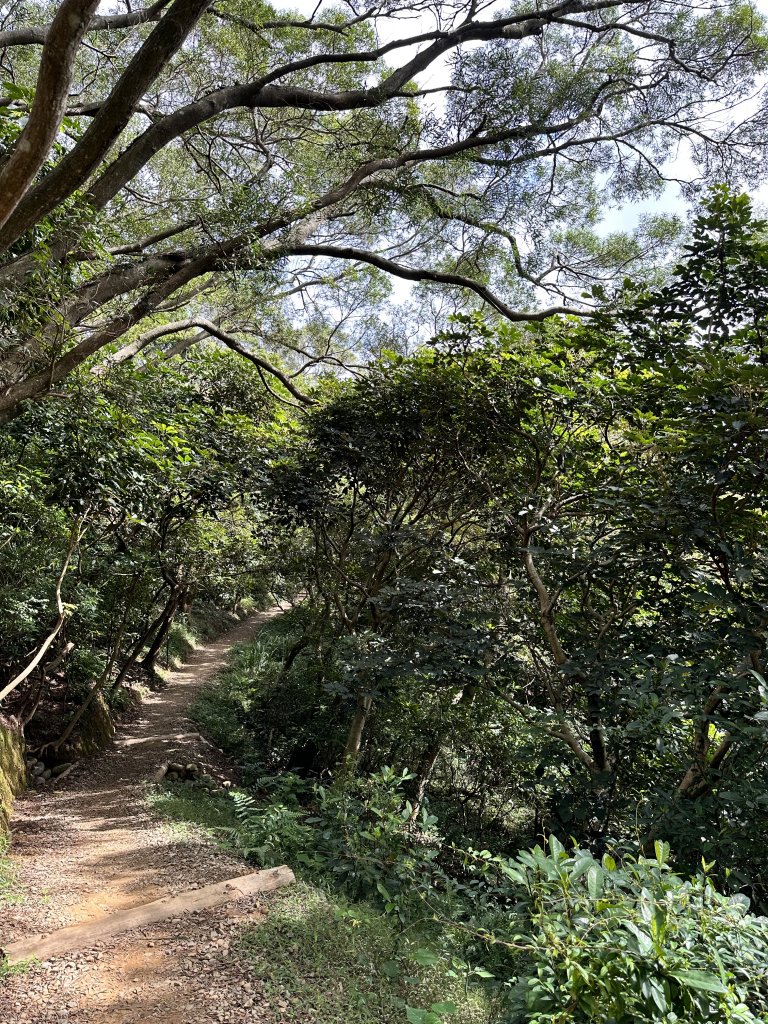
x=322, y=957
x=195, y=810
x=222, y=709
x=542, y=936
x=325, y=960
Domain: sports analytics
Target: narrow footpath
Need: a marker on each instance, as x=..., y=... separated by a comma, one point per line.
x=91, y=847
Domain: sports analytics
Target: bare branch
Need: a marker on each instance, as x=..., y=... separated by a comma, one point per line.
x=435, y=277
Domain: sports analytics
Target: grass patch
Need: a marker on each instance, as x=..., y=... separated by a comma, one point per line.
x=179, y=644
x=324, y=960
x=192, y=810
x=10, y=893
x=9, y=970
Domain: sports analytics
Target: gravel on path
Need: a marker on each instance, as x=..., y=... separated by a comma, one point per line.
x=92, y=846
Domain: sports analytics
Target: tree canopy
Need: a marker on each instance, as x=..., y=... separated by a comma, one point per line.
x=184, y=169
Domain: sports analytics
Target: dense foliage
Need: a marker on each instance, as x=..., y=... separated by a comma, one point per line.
x=534, y=575
x=121, y=505
x=537, y=563
x=519, y=704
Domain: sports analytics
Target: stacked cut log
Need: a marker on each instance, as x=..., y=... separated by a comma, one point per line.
x=191, y=774
x=39, y=773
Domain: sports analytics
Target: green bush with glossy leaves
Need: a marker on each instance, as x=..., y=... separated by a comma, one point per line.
x=630, y=943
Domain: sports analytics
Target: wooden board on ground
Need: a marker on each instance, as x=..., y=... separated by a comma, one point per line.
x=81, y=936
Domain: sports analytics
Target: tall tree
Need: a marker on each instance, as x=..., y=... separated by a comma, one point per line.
x=566, y=522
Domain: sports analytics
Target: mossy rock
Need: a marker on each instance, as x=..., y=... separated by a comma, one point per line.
x=13, y=770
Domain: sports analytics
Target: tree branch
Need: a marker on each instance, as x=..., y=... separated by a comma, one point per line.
x=74, y=168
x=74, y=540
x=38, y=35
x=262, y=94
x=433, y=276
x=260, y=361
x=53, y=79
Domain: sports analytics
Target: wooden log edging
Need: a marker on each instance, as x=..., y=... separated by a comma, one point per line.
x=81, y=936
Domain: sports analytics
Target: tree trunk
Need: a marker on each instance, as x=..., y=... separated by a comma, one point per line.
x=166, y=621
x=137, y=648
x=357, y=727
x=63, y=612
x=302, y=643
x=424, y=773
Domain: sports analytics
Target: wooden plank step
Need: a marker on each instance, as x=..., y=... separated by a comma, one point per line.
x=81, y=936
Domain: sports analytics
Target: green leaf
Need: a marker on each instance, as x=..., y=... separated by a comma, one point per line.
x=662, y=851
x=556, y=847
x=447, y=1007
x=595, y=879
x=644, y=942
x=425, y=957
x=700, y=981
x=581, y=867
x=416, y=1016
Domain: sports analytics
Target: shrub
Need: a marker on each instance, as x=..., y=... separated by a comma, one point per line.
x=357, y=832
x=630, y=943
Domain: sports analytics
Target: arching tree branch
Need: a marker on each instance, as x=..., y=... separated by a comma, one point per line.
x=435, y=277
x=53, y=79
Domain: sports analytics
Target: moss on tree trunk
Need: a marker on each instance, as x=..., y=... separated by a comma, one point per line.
x=12, y=769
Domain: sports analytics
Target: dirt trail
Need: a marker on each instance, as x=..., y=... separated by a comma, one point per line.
x=91, y=847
